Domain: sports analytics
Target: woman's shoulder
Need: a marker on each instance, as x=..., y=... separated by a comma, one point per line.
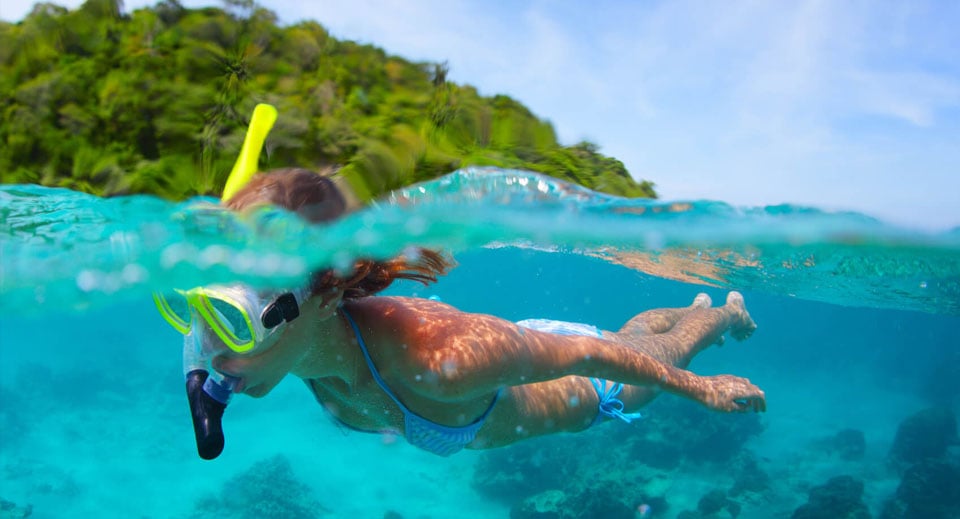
x=399, y=307
x=407, y=320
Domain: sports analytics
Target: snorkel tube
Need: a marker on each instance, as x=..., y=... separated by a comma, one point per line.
x=209, y=391
x=264, y=116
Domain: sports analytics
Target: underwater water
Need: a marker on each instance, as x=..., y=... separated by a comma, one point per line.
x=857, y=351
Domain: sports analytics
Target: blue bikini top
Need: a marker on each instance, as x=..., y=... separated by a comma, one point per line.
x=430, y=436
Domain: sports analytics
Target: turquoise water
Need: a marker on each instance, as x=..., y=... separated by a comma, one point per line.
x=857, y=331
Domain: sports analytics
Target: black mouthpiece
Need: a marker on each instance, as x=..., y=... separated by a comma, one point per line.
x=207, y=416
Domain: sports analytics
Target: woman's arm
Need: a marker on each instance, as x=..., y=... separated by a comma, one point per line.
x=469, y=355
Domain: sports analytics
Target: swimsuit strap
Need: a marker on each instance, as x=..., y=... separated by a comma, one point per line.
x=373, y=369
x=610, y=405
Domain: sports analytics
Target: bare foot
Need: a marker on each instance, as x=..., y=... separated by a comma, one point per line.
x=744, y=326
x=702, y=301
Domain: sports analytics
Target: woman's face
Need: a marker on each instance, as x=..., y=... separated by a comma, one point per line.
x=258, y=372
x=281, y=351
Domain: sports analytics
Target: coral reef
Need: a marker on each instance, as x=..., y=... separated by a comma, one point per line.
x=930, y=480
x=929, y=489
x=712, y=505
x=847, y=444
x=11, y=510
x=268, y=489
x=748, y=476
x=839, y=498
x=514, y=473
x=44, y=480
x=702, y=436
x=555, y=504
x=618, y=467
x=923, y=435
x=545, y=505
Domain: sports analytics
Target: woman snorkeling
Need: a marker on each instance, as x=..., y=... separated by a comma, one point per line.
x=443, y=378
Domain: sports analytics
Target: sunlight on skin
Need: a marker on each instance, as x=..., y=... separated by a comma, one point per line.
x=447, y=365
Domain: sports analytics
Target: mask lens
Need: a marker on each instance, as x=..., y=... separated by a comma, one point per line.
x=174, y=308
x=228, y=321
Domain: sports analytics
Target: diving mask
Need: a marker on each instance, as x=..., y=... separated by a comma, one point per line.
x=239, y=315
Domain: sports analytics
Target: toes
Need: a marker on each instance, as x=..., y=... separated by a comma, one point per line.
x=702, y=301
x=735, y=298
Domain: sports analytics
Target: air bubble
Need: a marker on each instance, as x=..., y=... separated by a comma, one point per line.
x=213, y=255
x=366, y=237
x=416, y=226
x=87, y=281
x=176, y=253
x=134, y=273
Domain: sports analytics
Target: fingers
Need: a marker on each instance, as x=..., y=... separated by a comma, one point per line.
x=761, y=405
x=755, y=403
x=733, y=394
x=749, y=397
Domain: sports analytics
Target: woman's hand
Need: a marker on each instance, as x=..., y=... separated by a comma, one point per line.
x=732, y=395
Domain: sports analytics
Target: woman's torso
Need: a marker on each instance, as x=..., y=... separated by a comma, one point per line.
x=361, y=403
x=507, y=414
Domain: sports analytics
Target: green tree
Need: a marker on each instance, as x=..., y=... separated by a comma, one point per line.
x=157, y=101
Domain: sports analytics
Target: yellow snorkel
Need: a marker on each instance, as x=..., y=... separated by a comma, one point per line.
x=264, y=116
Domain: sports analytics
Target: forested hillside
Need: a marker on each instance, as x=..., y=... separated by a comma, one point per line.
x=157, y=101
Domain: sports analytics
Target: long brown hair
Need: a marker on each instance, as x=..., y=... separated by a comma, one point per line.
x=316, y=198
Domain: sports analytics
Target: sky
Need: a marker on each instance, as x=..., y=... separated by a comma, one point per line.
x=841, y=105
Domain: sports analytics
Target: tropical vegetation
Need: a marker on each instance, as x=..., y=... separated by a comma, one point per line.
x=158, y=100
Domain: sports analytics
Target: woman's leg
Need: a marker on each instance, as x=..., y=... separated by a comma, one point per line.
x=571, y=404
x=693, y=333
x=661, y=320
x=568, y=404
x=697, y=329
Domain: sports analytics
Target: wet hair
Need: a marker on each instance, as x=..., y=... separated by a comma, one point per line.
x=311, y=195
x=316, y=198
